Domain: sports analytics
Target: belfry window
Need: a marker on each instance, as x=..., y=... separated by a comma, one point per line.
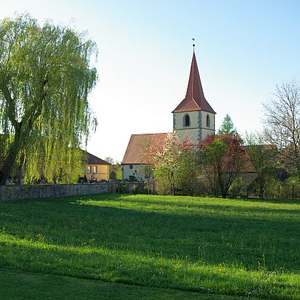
x=186, y=121
x=207, y=121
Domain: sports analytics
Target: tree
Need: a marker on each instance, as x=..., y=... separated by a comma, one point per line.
x=119, y=172
x=45, y=79
x=222, y=158
x=174, y=163
x=188, y=170
x=112, y=172
x=110, y=160
x=116, y=169
x=165, y=162
x=112, y=175
x=263, y=160
x=227, y=127
x=282, y=123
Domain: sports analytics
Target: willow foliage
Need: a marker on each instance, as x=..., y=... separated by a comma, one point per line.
x=45, y=79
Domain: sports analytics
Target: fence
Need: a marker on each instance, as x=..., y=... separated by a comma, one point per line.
x=136, y=188
x=277, y=191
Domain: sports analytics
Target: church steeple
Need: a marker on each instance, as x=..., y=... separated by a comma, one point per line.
x=194, y=99
x=194, y=115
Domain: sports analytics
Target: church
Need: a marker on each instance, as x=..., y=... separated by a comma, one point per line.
x=193, y=115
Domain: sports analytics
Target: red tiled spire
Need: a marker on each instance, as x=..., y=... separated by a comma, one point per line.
x=194, y=99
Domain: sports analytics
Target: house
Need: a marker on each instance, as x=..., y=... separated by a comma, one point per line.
x=193, y=115
x=95, y=167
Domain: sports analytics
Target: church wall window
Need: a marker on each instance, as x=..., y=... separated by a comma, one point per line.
x=207, y=121
x=186, y=121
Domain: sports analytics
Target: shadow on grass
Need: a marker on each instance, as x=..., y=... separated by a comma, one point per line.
x=213, y=234
x=152, y=241
x=46, y=286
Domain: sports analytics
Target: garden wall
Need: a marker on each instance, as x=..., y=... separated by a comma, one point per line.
x=55, y=190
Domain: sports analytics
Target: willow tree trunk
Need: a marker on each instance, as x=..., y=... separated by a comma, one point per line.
x=6, y=169
x=11, y=156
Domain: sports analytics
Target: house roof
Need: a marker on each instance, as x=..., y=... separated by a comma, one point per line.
x=94, y=160
x=138, y=146
x=194, y=99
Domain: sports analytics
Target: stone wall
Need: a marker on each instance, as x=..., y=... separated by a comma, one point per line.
x=52, y=190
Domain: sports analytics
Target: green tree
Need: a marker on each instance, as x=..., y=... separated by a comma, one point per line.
x=116, y=171
x=116, y=168
x=110, y=160
x=263, y=159
x=119, y=172
x=45, y=79
x=175, y=164
x=188, y=170
x=227, y=127
x=112, y=175
x=222, y=158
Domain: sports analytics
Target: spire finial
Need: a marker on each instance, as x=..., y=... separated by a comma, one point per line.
x=193, y=45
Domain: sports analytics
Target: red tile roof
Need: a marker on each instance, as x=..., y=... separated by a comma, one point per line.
x=194, y=99
x=138, y=146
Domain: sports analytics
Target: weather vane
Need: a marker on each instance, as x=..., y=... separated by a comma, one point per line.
x=193, y=44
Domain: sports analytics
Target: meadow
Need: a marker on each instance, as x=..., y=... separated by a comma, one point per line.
x=165, y=247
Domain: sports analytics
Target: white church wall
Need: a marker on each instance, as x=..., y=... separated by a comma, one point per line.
x=179, y=120
x=193, y=129
x=198, y=128
x=194, y=133
x=206, y=130
x=133, y=170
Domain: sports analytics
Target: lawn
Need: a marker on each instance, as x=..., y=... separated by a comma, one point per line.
x=156, y=245
x=19, y=285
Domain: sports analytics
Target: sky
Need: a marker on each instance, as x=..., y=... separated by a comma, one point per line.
x=244, y=48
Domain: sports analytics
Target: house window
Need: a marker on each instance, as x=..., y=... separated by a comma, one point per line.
x=207, y=121
x=186, y=121
x=88, y=169
x=95, y=169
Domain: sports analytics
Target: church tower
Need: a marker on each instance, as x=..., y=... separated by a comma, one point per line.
x=194, y=114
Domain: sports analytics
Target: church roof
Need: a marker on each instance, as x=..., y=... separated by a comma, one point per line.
x=194, y=99
x=138, y=147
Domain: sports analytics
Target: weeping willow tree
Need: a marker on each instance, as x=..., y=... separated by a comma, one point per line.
x=45, y=78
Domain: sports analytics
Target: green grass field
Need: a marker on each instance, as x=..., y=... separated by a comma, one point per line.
x=152, y=247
